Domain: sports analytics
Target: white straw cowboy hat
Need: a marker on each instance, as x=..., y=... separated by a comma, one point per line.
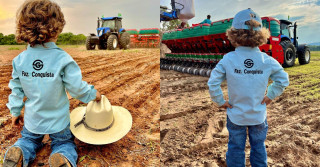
x=100, y=123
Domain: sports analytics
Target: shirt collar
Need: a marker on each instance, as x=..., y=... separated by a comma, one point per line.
x=246, y=49
x=48, y=45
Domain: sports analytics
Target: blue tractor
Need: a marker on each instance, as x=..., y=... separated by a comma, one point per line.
x=166, y=15
x=291, y=48
x=110, y=35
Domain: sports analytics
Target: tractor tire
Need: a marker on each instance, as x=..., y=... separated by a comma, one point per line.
x=112, y=42
x=289, y=53
x=124, y=40
x=304, y=55
x=89, y=45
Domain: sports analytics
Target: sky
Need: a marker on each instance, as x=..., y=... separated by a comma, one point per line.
x=81, y=15
x=305, y=12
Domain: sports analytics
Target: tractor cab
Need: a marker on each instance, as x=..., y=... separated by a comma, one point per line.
x=109, y=24
x=289, y=31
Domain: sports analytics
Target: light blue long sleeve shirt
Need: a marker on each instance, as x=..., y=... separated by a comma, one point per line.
x=208, y=21
x=247, y=71
x=43, y=75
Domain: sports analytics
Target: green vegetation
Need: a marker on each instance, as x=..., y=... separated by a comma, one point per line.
x=13, y=48
x=7, y=39
x=314, y=48
x=63, y=39
x=305, y=79
x=71, y=39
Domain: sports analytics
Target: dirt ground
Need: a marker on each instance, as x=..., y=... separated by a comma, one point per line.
x=193, y=130
x=128, y=78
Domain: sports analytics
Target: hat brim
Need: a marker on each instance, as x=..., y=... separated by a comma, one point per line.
x=121, y=126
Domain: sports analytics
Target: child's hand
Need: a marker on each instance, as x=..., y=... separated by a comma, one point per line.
x=98, y=96
x=226, y=105
x=17, y=121
x=266, y=100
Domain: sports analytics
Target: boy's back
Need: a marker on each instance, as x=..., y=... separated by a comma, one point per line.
x=44, y=74
x=247, y=71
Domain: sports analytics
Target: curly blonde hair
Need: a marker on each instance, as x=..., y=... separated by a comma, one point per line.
x=39, y=21
x=251, y=38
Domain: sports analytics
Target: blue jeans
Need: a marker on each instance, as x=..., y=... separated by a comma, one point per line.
x=61, y=142
x=237, y=143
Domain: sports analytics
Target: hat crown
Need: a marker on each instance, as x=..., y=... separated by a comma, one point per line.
x=245, y=15
x=99, y=115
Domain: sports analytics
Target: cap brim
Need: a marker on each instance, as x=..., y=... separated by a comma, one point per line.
x=121, y=126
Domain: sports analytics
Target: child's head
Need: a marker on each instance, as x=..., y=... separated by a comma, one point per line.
x=247, y=30
x=39, y=21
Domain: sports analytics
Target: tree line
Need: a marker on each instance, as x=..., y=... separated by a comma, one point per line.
x=314, y=48
x=63, y=39
x=69, y=38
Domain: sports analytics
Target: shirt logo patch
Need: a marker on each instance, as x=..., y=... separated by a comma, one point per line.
x=37, y=65
x=248, y=63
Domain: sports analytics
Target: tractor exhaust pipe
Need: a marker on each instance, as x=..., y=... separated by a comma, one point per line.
x=98, y=25
x=295, y=43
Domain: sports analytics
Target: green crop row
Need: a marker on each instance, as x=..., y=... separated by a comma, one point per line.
x=215, y=28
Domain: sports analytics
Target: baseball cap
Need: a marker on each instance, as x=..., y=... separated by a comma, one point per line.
x=245, y=15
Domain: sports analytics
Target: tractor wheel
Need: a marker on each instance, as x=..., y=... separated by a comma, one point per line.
x=89, y=45
x=304, y=56
x=112, y=42
x=289, y=53
x=124, y=40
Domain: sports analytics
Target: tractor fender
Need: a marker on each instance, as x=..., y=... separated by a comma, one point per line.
x=92, y=34
x=284, y=37
x=103, y=30
x=116, y=34
x=122, y=30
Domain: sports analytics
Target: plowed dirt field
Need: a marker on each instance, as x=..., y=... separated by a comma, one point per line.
x=128, y=78
x=193, y=130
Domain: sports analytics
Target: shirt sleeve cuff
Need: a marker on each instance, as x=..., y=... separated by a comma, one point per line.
x=15, y=112
x=93, y=94
x=89, y=95
x=221, y=103
x=270, y=96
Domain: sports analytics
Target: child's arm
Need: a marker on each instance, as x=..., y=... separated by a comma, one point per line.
x=280, y=81
x=218, y=75
x=77, y=88
x=15, y=103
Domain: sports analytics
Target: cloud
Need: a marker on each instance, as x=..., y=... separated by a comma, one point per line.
x=81, y=15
